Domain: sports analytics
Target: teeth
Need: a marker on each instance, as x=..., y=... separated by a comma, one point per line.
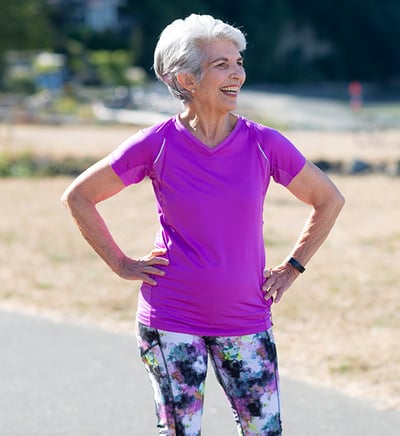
x=233, y=89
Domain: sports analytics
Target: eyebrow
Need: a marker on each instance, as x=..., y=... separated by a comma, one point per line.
x=222, y=58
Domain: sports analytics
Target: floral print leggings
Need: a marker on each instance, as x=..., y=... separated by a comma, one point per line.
x=245, y=366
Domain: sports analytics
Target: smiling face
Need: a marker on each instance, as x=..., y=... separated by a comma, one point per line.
x=222, y=77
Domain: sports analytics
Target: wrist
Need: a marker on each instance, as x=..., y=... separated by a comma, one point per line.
x=118, y=264
x=296, y=264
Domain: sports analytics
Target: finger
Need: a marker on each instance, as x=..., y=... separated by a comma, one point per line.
x=155, y=271
x=269, y=296
x=269, y=293
x=157, y=252
x=267, y=273
x=268, y=284
x=271, y=289
x=147, y=279
x=141, y=276
x=157, y=261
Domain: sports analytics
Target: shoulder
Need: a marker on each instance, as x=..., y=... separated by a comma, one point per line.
x=271, y=142
x=150, y=134
x=281, y=154
x=146, y=141
x=135, y=157
x=264, y=134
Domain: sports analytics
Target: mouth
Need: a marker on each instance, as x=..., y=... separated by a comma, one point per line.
x=232, y=91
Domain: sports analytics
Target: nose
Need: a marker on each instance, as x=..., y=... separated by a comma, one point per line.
x=238, y=73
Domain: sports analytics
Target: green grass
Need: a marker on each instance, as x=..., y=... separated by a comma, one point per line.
x=28, y=165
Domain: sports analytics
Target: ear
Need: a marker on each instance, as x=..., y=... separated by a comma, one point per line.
x=185, y=80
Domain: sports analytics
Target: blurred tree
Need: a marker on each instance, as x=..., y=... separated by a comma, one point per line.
x=363, y=36
x=288, y=40
x=24, y=24
x=111, y=66
x=151, y=16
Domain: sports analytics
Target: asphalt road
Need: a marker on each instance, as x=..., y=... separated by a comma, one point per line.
x=59, y=379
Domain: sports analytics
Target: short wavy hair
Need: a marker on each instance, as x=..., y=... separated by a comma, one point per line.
x=180, y=49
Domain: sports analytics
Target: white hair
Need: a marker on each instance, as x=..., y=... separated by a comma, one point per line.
x=180, y=49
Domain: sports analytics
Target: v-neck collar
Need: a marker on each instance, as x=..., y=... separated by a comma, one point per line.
x=210, y=150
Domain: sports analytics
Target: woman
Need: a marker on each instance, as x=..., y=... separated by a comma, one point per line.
x=205, y=292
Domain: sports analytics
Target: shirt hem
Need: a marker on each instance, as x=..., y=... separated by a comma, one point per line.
x=178, y=328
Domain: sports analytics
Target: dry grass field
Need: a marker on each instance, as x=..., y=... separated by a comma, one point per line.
x=338, y=326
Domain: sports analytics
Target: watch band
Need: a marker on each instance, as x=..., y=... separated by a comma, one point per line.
x=295, y=264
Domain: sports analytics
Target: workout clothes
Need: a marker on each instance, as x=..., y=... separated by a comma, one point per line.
x=210, y=206
x=245, y=366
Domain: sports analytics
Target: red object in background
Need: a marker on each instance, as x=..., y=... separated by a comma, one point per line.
x=355, y=92
x=355, y=88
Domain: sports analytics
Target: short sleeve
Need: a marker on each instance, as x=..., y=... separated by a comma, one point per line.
x=132, y=161
x=285, y=160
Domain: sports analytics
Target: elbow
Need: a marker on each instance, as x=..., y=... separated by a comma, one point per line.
x=65, y=198
x=331, y=205
x=69, y=198
x=337, y=203
x=340, y=201
x=75, y=199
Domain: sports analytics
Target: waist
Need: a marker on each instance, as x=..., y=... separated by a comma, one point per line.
x=221, y=308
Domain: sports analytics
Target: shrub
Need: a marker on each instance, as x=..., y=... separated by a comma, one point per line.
x=29, y=165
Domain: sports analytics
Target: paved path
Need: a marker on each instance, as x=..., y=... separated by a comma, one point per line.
x=59, y=379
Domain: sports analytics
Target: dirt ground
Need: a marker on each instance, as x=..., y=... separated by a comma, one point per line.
x=96, y=141
x=337, y=326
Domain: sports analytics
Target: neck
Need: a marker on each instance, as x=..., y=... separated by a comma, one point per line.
x=211, y=130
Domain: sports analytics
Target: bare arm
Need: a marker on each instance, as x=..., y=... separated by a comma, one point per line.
x=96, y=184
x=313, y=187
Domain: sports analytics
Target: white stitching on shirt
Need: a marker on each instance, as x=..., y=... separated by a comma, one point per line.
x=262, y=152
x=161, y=150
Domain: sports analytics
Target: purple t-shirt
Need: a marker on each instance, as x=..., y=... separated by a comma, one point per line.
x=210, y=205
